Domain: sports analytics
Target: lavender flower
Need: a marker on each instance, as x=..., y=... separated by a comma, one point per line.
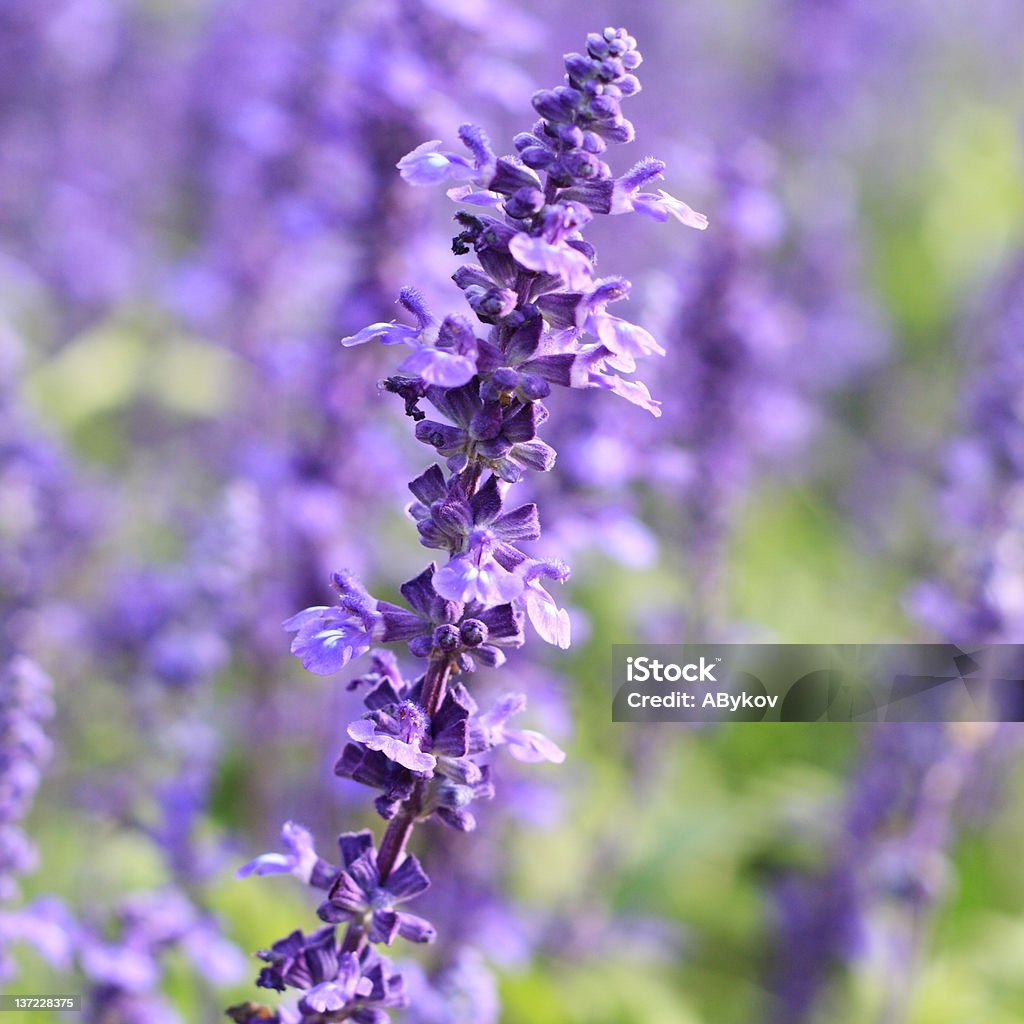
x=535, y=290
x=25, y=704
x=910, y=795
x=464, y=992
x=124, y=965
x=980, y=600
x=890, y=865
x=362, y=896
x=300, y=859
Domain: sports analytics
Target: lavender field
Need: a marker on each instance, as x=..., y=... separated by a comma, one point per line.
x=368, y=368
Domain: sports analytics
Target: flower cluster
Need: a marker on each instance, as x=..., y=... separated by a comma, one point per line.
x=25, y=704
x=982, y=500
x=891, y=863
x=424, y=742
x=124, y=964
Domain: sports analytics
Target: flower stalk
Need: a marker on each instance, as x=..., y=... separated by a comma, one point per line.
x=424, y=744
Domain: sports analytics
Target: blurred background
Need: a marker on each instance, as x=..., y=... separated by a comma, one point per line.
x=198, y=200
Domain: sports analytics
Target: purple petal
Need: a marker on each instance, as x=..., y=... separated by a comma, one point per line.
x=520, y=524
x=548, y=568
x=415, y=929
x=429, y=486
x=398, y=623
x=354, y=844
x=535, y=455
x=362, y=730
x=325, y=997
x=347, y=897
x=300, y=859
x=419, y=591
x=328, y=650
x=508, y=705
x=631, y=390
x=266, y=864
x=390, y=333
x=532, y=747
x=349, y=974
x=462, y=579
x=662, y=206
x=383, y=926
x=436, y=366
x=569, y=264
x=426, y=166
x=408, y=879
x=406, y=754
x=550, y=621
x=307, y=617
x=486, y=503
x=474, y=197
x=623, y=337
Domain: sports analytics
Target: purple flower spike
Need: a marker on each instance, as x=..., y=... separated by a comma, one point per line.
x=537, y=320
x=358, y=894
x=25, y=703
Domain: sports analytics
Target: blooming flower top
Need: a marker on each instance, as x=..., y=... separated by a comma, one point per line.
x=424, y=744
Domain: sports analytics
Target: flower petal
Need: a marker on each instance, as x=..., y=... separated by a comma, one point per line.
x=662, y=206
x=425, y=165
x=436, y=366
x=415, y=929
x=462, y=579
x=390, y=333
x=550, y=621
x=532, y=747
x=474, y=197
x=563, y=261
x=633, y=391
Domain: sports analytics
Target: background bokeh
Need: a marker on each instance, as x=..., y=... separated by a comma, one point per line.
x=198, y=200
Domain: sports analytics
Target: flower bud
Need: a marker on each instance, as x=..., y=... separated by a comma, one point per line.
x=578, y=68
x=505, y=378
x=537, y=157
x=549, y=106
x=447, y=638
x=473, y=632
